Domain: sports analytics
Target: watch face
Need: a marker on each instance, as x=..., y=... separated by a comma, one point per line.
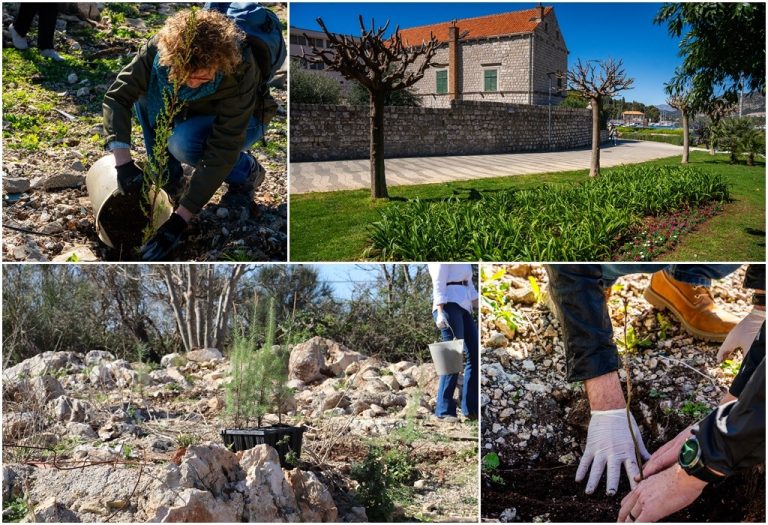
x=690, y=452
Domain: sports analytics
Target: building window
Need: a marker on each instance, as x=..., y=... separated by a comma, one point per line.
x=490, y=80
x=441, y=80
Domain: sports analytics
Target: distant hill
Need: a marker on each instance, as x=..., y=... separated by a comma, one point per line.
x=753, y=103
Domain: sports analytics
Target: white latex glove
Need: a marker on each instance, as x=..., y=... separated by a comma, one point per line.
x=441, y=320
x=609, y=443
x=743, y=334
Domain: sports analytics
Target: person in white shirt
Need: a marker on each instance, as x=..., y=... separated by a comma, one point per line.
x=453, y=298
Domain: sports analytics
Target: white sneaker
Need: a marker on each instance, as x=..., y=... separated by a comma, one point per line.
x=52, y=54
x=19, y=42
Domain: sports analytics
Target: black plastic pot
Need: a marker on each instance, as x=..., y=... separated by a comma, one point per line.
x=244, y=438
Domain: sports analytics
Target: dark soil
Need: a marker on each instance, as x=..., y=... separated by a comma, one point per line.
x=547, y=491
x=124, y=221
x=551, y=494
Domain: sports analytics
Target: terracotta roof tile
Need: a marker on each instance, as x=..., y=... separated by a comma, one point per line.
x=480, y=27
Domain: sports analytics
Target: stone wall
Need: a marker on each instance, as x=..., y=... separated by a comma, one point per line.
x=325, y=132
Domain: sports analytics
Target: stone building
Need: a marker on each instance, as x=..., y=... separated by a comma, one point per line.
x=518, y=57
x=634, y=118
x=302, y=41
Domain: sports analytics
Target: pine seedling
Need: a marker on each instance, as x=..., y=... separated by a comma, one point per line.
x=156, y=174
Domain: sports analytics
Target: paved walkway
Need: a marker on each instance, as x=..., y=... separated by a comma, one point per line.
x=354, y=174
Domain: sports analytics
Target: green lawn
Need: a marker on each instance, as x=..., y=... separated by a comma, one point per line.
x=334, y=225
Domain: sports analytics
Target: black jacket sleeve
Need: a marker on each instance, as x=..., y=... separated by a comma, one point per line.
x=732, y=437
x=755, y=355
x=755, y=277
x=578, y=293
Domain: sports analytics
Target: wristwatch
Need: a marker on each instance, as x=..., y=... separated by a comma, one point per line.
x=690, y=460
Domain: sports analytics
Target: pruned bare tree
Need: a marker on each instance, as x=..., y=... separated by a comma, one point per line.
x=682, y=101
x=597, y=80
x=382, y=65
x=201, y=297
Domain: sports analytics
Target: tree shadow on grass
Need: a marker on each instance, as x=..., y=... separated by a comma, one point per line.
x=462, y=194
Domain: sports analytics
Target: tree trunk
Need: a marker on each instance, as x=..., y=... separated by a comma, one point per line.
x=685, y=138
x=378, y=177
x=594, y=168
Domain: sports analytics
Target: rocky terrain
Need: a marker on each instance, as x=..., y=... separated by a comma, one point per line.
x=52, y=134
x=95, y=438
x=536, y=422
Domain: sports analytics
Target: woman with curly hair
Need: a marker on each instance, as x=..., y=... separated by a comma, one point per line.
x=199, y=58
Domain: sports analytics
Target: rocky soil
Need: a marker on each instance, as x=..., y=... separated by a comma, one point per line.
x=537, y=422
x=52, y=134
x=95, y=438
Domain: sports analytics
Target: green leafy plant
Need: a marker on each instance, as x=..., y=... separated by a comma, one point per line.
x=491, y=463
x=494, y=297
x=631, y=343
x=572, y=222
x=731, y=367
x=383, y=478
x=664, y=325
x=695, y=409
x=537, y=293
x=15, y=509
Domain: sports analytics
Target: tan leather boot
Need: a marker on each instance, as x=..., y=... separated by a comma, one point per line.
x=692, y=305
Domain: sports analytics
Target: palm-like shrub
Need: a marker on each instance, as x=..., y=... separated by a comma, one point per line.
x=739, y=137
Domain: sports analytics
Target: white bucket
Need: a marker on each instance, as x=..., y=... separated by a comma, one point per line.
x=448, y=356
x=101, y=182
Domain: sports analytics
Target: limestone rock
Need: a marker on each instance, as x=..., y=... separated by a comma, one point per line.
x=41, y=364
x=80, y=253
x=315, y=502
x=200, y=506
x=173, y=359
x=210, y=467
x=98, y=357
x=18, y=424
x=307, y=360
x=270, y=498
x=339, y=357
x=204, y=355
x=44, y=388
x=52, y=511
x=16, y=184
x=59, y=181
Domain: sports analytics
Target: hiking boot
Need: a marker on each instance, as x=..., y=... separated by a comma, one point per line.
x=19, y=42
x=692, y=305
x=240, y=194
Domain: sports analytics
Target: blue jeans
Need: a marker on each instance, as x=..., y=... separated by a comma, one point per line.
x=577, y=291
x=188, y=142
x=696, y=274
x=463, y=327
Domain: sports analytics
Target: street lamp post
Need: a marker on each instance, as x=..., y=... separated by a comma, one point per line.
x=549, y=111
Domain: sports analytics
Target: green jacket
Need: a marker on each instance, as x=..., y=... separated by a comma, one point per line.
x=233, y=104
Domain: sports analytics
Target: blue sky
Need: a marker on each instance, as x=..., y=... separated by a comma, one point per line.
x=591, y=31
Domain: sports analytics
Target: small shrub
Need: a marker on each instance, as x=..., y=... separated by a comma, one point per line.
x=187, y=440
x=384, y=477
x=310, y=87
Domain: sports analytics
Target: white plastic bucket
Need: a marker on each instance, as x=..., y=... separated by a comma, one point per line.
x=448, y=356
x=101, y=183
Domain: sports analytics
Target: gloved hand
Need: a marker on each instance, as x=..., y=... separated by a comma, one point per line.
x=129, y=178
x=743, y=334
x=441, y=320
x=160, y=245
x=609, y=443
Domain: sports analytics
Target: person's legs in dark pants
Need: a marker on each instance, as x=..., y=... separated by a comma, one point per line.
x=469, y=396
x=27, y=12
x=46, y=24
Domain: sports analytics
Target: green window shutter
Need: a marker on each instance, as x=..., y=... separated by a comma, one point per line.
x=491, y=79
x=441, y=78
